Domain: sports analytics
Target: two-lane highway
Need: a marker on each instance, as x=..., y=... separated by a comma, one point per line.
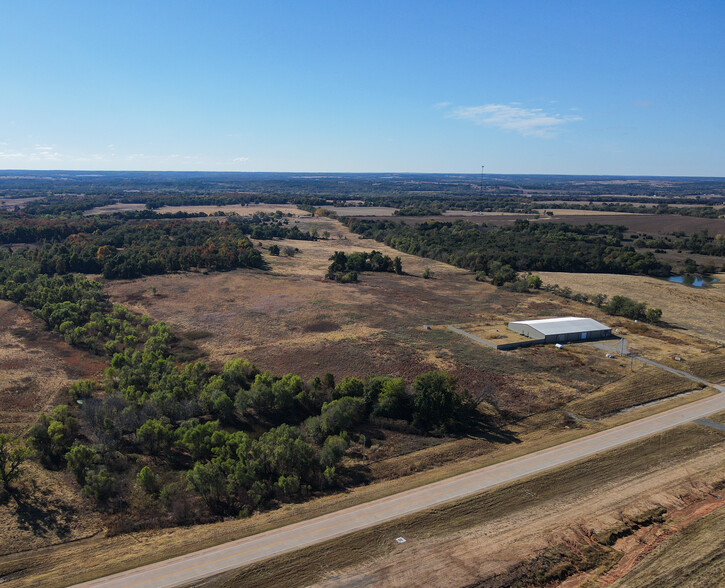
x=243, y=552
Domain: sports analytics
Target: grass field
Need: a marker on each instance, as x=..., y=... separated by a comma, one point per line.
x=291, y=319
x=36, y=366
x=689, y=310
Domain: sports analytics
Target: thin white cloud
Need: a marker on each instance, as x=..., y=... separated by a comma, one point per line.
x=441, y=105
x=240, y=159
x=511, y=117
x=11, y=155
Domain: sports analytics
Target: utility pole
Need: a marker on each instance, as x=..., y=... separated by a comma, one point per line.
x=482, y=180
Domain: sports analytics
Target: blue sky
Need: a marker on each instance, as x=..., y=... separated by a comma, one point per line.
x=581, y=87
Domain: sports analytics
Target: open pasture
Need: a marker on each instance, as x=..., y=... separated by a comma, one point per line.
x=691, y=311
x=290, y=319
x=36, y=366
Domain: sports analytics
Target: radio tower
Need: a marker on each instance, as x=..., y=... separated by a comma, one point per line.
x=482, y=180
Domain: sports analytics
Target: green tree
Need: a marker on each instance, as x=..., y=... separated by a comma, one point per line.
x=100, y=485
x=350, y=387
x=332, y=451
x=435, y=400
x=393, y=402
x=80, y=459
x=53, y=435
x=398, y=265
x=653, y=315
x=155, y=436
x=12, y=457
x=148, y=480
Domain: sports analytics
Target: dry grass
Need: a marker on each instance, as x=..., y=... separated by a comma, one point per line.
x=240, y=209
x=36, y=366
x=47, y=510
x=291, y=319
x=359, y=211
x=693, y=558
x=646, y=384
x=689, y=310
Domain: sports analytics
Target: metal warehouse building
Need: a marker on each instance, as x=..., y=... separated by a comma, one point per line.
x=559, y=330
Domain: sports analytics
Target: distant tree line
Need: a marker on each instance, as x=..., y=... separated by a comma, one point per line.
x=524, y=246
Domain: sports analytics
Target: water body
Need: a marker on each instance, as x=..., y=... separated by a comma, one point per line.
x=695, y=281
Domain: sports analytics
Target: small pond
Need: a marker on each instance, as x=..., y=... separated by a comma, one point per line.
x=696, y=281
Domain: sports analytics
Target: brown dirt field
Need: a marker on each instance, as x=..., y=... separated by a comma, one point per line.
x=11, y=203
x=240, y=209
x=111, y=208
x=36, y=365
x=291, y=319
x=691, y=555
x=362, y=210
x=692, y=311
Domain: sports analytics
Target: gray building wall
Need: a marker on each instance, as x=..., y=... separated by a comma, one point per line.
x=529, y=331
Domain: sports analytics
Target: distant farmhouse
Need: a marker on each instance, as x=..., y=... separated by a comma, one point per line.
x=560, y=330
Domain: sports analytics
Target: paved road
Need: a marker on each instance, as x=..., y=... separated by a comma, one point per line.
x=236, y=554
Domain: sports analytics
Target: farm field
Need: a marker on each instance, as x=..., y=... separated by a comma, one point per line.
x=689, y=310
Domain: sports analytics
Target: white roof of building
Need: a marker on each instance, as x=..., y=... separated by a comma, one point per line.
x=567, y=324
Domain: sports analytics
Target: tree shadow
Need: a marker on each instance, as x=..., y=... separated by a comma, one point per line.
x=492, y=432
x=42, y=514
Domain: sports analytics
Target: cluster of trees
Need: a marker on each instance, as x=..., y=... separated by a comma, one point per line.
x=523, y=247
x=23, y=228
x=72, y=305
x=617, y=306
x=119, y=247
x=133, y=249
x=193, y=422
x=631, y=309
x=345, y=267
x=700, y=242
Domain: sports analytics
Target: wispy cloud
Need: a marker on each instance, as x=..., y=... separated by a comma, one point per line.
x=240, y=159
x=513, y=117
x=11, y=155
x=45, y=152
